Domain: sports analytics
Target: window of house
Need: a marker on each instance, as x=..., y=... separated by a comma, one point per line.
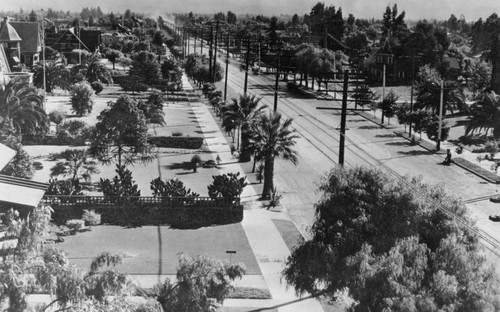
x=389, y=60
x=401, y=74
x=380, y=59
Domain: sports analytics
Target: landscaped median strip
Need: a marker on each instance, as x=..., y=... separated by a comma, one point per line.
x=477, y=170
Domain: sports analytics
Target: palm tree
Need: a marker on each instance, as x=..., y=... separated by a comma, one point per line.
x=93, y=70
x=275, y=138
x=23, y=104
x=56, y=75
x=75, y=163
x=239, y=115
x=485, y=114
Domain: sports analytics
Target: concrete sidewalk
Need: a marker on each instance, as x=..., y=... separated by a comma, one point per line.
x=264, y=238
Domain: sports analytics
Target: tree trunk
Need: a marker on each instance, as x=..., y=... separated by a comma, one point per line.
x=245, y=154
x=268, y=177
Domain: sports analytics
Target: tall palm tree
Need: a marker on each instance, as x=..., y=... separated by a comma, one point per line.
x=56, y=75
x=239, y=115
x=485, y=114
x=93, y=70
x=23, y=104
x=275, y=138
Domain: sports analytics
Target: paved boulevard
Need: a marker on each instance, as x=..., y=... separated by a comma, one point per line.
x=367, y=144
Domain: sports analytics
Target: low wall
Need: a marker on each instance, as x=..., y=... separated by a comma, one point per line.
x=176, y=212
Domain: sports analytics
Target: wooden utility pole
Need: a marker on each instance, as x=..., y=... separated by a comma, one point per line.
x=215, y=52
x=438, y=140
x=276, y=85
x=210, y=51
x=383, y=92
x=227, y=66
x=343, y=118
x=247, y=64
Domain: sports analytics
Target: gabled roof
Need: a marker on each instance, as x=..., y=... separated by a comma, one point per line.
x=8, y=33
x=4, y=64
x=29, y=32
x=21, y=191
x=17, y=190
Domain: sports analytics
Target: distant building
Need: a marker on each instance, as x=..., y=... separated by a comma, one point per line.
x=31, y=45
x=11, y=42
x=397, y=68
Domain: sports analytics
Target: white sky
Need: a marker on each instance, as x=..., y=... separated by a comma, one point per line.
x=415, y=9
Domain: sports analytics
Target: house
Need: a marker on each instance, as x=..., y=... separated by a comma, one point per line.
x=11, y=42
x=397, y=68
x=30, y=45
x=18, y=193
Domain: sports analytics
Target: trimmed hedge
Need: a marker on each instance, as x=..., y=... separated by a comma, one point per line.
x=142, y=214
x=177, y=142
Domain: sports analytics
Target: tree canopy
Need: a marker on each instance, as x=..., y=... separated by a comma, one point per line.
x=121, y=134
x=395, y=245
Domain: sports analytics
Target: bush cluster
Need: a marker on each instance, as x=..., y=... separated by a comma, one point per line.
x=141, y=214
x=177, y=142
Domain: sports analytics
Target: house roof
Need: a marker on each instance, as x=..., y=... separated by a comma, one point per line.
x=21, y=191
x=4, y=64
x=6, y=154
x=30, y=35
x=8, y=33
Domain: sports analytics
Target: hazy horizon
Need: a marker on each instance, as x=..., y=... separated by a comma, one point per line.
x=428, y=9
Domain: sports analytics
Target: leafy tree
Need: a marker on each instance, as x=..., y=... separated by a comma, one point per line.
x=32, y=17
x=394, y=244
x=480, y=77
x=202, y=285
x=227, y=186
x=303, y=57
x=145, y=66
x=82, y=98
x=364, y=95
x=432, y=128
x=113, y=56
x=153, y=109
x=402, y=112
x=23, y=104
x=75, y=163
x=122, y=184
x=56, y=75
x=485, y=114
x=240, y=114
x=121, y=134
x=274, y=139
x=231, y=18
x=171, y=188
x=388, y=105
x=21, y=165
x=101, y=288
